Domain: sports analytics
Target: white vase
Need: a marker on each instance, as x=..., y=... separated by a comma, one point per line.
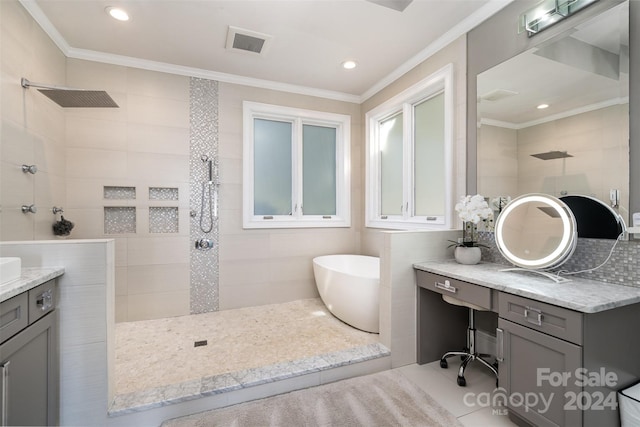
x=468, y=255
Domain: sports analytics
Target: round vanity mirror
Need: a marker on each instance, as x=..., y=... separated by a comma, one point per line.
x=536, y=231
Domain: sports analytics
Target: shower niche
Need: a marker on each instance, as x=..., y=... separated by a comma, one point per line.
x=163, y=218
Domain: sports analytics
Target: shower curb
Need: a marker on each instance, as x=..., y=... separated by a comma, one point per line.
x=145, y=400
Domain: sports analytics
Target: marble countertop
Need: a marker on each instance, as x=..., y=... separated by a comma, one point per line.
x=30, y=278
x=586, y=296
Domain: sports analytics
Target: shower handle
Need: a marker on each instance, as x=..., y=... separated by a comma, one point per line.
x=204, y=244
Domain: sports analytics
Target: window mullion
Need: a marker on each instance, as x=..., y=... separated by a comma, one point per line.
x=296, y=202
x=407, y=160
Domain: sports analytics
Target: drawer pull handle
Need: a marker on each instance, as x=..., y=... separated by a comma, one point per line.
x=45, y=300
x=446, y=286
x=4, y=378
x=499, y=345
x=538, y=316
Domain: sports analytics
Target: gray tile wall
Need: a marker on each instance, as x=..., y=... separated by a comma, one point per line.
x=622, y=268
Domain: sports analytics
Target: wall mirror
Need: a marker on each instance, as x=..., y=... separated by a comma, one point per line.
x=536, y=231
x=579, y=142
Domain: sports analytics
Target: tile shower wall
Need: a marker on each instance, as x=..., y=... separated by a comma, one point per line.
x=128, y=179
x=32, y=130
x=204, y=194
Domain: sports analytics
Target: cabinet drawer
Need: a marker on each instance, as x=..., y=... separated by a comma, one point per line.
x=468, y=292
x=13, y=316
x=550, y=319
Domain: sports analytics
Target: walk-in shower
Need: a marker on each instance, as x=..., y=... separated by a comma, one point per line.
x=68, y=97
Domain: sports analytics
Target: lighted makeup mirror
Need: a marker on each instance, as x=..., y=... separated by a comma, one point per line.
x=536, y=232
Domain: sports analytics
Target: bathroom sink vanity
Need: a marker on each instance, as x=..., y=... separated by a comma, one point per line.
x=570, y=343
x=28, y=349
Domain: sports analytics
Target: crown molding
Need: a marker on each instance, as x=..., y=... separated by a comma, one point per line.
x=163, y=67
x=558, y=116
x=460, y=29
x=463, y=27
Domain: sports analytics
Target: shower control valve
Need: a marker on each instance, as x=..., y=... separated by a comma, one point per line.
x=204, y=244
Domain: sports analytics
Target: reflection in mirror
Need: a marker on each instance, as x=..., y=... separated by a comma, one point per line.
x=579, y=143
x=595, y=220
x=536, y=231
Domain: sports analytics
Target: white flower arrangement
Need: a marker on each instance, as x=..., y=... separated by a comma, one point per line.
x=473, y=209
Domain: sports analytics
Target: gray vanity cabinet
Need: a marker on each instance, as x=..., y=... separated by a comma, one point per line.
x=28, y=359
x=524, y=352
x=537, y=342
x=576, y=361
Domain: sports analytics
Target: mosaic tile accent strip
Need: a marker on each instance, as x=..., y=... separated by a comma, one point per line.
x=623, y=268
x=119, y=193
x=162, y=193
x=163, y=220
x=203, y=147
x=119, y=220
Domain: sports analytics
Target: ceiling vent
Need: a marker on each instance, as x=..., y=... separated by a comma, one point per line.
x=241, y=40
x=498, y=94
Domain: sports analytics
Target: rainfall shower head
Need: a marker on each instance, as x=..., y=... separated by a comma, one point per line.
x=550, y=155
x=67, y=97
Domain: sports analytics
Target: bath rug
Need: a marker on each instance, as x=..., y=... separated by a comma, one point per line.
x=383, y=399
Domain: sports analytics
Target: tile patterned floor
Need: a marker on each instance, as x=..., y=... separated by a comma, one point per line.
x=157, y=361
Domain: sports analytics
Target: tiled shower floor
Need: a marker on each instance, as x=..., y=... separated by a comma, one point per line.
x=158, y=362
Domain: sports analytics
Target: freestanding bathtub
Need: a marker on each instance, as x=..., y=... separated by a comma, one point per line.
x=349, y=287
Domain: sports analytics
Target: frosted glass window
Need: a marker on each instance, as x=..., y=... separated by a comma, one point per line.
x=429, y=165
x=391, y=165
x=272, y=167
x=318, y=170
x=409, y=179
x=295, y=167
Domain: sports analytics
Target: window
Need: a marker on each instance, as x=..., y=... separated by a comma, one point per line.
x=296, y=168
x=410, y=157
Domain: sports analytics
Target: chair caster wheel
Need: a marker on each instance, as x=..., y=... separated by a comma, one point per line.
x=462, y=382
x=443, y=363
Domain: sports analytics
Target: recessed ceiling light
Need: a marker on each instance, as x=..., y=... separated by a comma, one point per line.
x=349, y=65
x=542, y=106
x=117, y=13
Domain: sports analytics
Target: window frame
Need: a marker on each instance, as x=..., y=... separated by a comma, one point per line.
x=439, y=82
x=297, y=117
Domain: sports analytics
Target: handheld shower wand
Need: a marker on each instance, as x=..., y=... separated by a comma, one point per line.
x=209, y=199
